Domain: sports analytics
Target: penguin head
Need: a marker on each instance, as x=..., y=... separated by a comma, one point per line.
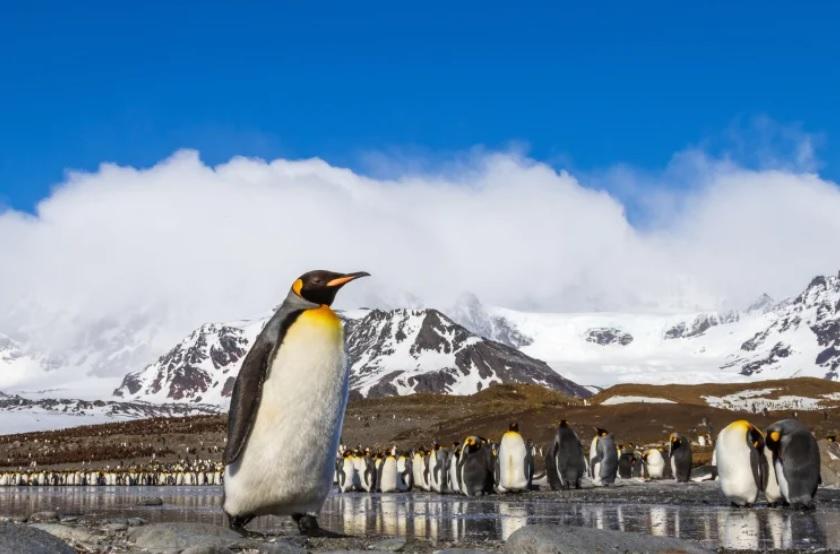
x=773, y=438
x=675, y=440
x=320, y=286
x=754, y=437
x=514, y=426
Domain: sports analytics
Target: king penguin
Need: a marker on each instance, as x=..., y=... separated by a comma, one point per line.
x=564, y=460
x=741, y=465
x=513, y=468
x=796, y=461
x=287, y=409
x=679, y=452
x=603, y=458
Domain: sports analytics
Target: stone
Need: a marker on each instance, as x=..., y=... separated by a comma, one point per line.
x=462, y=551
x=135, y=521
x=207, y=549
x=66, y=532
x=565, y=539
x=114, y=527
x=174, y=537
x=829, y=463
x=42, y=517
x=280, y=547
x=389, y=545
x=29, y=540
x=150, y=501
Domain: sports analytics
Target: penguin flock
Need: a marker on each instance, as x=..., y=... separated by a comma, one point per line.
x=781, y=462
x=478, y=466
x=182, y=473
x=473, y=467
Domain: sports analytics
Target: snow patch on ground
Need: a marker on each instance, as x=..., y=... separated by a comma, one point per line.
x=619, y=399
x=752, y=401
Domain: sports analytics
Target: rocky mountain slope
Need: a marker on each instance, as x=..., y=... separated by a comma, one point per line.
x=394, y=352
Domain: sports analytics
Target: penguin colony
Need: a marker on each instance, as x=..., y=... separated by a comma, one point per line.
x=783, y=463
x=179, y=474
x=478, y=466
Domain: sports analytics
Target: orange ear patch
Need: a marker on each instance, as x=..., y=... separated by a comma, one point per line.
x=297, y=286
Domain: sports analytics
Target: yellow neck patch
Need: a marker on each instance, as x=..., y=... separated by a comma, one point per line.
x=322, y=315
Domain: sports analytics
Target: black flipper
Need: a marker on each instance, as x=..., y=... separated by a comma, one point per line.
x=247, y=391
x=758, y=464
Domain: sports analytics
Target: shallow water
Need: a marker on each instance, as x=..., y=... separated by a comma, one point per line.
x=658, y=511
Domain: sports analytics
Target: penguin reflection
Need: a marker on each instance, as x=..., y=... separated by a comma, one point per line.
x=511, y=518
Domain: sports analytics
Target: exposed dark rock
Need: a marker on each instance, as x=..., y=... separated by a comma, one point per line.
x=608, y=335
x=701, y=324
x=778, y=352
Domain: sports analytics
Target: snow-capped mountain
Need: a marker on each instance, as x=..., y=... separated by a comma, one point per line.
x=24, y=415
x=389, y=353
x=200, y=368
x=799, y=336
x=403, y=351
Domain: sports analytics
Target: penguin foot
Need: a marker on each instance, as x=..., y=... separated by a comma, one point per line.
x=238, y=523
x=308, y=526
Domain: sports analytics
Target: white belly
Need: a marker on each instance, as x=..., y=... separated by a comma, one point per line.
x=655, y=464
x=734, y=469
x=773, y=493
x=287, y=465
x=782, y=481
x=512, y=454
x=453, y=474
x=389, y=481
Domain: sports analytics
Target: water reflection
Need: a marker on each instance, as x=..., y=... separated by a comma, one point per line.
x=438, y=518
x=453, y=518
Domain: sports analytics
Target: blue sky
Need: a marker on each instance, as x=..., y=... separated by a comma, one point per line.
x=580, y=87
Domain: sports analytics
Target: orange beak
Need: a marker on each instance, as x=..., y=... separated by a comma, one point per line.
x=344, y=279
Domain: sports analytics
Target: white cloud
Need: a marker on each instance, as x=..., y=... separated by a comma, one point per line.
x=127, y=261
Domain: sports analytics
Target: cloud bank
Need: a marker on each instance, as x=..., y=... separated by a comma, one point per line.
x=126, y=261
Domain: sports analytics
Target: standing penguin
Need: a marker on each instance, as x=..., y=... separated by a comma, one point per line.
x=603, y=458
x=741, y=465
x=404, y=473
x=513, y=467
x=287, y=409
x=564, y=460
x=388, y=475
x=367, y=471
x=347, y=476
x=679, y=451
x=474, y=467
x=453, y=479
x=796, y=460
x=439, y=469
x=420, y=472
x=654, y=463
